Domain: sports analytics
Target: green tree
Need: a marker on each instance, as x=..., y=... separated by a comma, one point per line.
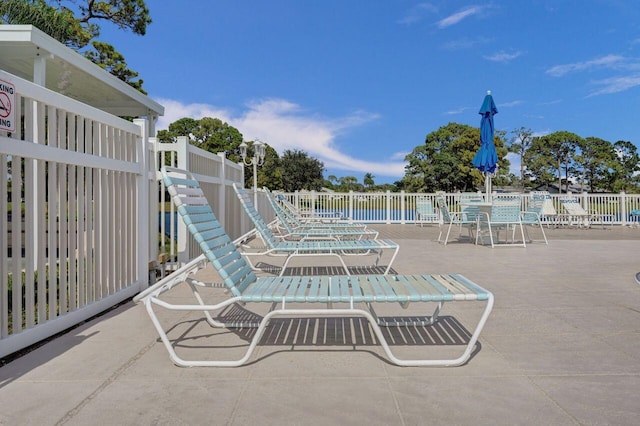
x=539, y=164
x=73, y=23
x=368, y=181
x=562, y=147
x=350, y=183
x=625, y=175
x=391, y=187
x=270, y=173
x=444, y=161
x=519, y=144
x=595, y=163
x=58, y=22
x=210, y=134
x=109, y=59
x=181, y=127
x=331, y=182
x=214, y=135
x=299, y=171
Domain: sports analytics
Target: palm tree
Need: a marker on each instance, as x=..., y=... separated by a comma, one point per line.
x=368, y=180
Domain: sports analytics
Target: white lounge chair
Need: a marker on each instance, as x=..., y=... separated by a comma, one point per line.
x=293, y=225
x=576, y=215
x=332, y=216
x=313, y=244
x=299, y=296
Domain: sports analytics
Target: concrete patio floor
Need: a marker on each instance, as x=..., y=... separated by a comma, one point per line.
x=562, y=346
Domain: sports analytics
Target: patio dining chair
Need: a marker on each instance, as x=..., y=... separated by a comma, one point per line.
x=424, y=211
x=504, y=215
x=449, y=219
x=531, y=217
x=470, y=206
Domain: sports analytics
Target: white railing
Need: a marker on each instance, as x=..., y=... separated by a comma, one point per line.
x=74, y=190
x=388, y=207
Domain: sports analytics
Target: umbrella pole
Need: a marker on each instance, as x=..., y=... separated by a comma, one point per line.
x=487, y=186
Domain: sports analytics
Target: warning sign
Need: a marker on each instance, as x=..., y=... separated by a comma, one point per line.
x=7, y=106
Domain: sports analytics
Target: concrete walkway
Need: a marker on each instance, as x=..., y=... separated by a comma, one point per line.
x=562, y=346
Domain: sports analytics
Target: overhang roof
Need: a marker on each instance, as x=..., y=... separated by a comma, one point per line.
x=70, y=73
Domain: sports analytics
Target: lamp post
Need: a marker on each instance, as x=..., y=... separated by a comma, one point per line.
x=257, y=160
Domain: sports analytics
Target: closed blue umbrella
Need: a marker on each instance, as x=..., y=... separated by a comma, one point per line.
x=486, y=158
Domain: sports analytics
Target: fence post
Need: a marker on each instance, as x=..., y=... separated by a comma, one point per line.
x=388, y=202
x=403, y=213
x=142, y=261
x=153, y=200
x=222, y=193
x=314, y=197
x=351, y=204
x=585, y=200
x=183, y=163
x=623, y=208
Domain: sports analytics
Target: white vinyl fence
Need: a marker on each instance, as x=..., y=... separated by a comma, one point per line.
x=389, y=207
x=74, y=187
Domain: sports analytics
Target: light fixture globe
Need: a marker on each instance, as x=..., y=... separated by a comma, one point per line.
x=243, y=151
x=259, y=151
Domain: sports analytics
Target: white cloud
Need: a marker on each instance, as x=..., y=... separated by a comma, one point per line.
x=503, y=57
x=459, y=16
x=535, y=116
x=175, y=110
x=616, y=84
x=457, y=111
x=400, y=155
x=466, y=43
x=611, y=62
x=285, y=125
x=608, y=61
x=540, y=133
x=510, y=104
x=417, y=13
x=553, y=102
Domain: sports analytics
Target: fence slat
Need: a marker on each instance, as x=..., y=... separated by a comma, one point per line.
x=4, y=247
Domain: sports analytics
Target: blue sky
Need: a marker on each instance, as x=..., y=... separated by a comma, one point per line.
x=359, y=84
